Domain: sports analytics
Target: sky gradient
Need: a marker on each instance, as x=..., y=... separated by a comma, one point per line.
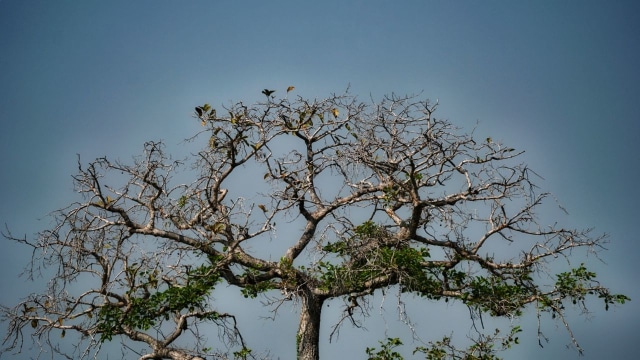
x=558, y=79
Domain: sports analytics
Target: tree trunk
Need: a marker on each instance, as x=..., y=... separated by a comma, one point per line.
x=308, y=337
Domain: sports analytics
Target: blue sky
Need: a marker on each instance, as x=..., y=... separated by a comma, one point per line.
x=558, y=79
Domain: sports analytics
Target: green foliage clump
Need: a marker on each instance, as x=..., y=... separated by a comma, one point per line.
x=253, y=290
x=580, y=282
x=496, y=296
x=372, y=252
x=485, y=348
x=243, y=353
x=386, y=352
x=253, y=286
x=147, y=311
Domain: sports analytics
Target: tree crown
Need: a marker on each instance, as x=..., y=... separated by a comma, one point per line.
x=384, y=194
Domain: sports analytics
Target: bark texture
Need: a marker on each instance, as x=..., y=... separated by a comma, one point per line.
x=308, y=337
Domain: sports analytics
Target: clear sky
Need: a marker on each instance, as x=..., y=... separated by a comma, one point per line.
x=559, y=79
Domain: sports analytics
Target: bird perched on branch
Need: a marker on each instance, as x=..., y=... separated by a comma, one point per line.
x=387, y=167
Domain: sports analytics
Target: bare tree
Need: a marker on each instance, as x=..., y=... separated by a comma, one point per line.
x=388, y=195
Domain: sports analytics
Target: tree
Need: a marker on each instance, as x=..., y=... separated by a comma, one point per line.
x=387, y=196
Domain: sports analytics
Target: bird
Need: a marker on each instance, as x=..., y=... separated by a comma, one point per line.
x=387, y=167
x=268, y=92
x=290, y=88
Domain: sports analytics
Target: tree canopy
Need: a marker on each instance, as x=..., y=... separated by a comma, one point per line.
x=386, y=196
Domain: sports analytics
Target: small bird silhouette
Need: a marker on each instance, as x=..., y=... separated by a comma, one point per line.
x=268, y=92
